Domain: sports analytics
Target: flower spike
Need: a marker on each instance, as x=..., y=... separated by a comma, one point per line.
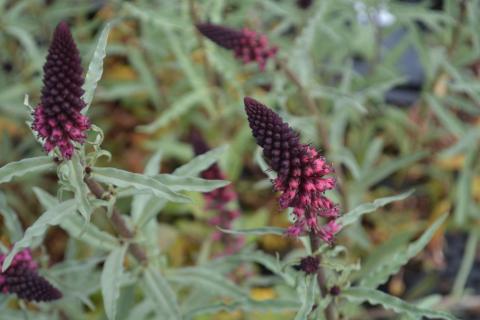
x=22, y=279
x=223, y=200
x=57, y=119
x=302, y=172
x=246, y=44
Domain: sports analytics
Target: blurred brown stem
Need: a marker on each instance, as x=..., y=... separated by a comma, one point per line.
x=322, y=280
x=118, y=222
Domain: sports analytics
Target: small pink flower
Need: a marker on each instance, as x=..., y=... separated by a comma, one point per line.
x=247, y=45
x=57, y=119
x=22, y=279
x=302, y=173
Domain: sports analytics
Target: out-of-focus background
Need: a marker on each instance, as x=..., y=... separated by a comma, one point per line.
x=396, y=91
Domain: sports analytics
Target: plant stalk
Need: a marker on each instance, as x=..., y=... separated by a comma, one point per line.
x=322, y=280
x=118, y=222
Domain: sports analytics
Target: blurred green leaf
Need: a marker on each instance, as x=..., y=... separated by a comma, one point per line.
x=10, y=219
x=22, y=167
x=307, y=298
x=123, y=178
x=51, y=217
x=95, y=68
x=360, y=294
x=391, y=266
x=355, y=214
x=200, y=162
x=111, y=278
x=161, y=294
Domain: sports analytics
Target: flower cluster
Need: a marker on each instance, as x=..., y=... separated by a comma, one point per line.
x=302, y=172
x=57, y=119
x=222, y=200
x=246, y=44
x=22, y=279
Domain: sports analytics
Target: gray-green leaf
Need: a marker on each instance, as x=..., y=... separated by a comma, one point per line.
x=110, y=280
x=381, y=273
x=159, y=291
x=359, y=294
x=355, y=214
x=22, y=167
x=123, y=178
x=50, y=217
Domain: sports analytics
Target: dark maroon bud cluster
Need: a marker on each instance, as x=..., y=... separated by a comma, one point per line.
x=309, y=264
x=304, y=4
x=222, y=200
x=57, y=119
x=302, y=172
x=22, y=279
x=246, y=44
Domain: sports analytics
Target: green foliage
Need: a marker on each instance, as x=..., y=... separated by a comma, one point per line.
x=360, y=294
x=161, y=79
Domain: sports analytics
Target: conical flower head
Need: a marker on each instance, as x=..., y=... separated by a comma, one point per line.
x=302, y=172
x=22, y=279
x=246, y=44
x=57, y=119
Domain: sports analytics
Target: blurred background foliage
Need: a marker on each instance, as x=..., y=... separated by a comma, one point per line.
x=394, y=105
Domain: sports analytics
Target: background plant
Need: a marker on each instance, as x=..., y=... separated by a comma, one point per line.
x=161, y=78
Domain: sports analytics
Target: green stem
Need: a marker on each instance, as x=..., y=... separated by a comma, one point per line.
x=322, y=280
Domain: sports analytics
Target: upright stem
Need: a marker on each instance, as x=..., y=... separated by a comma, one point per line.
x=118, y=222
x=322, y=280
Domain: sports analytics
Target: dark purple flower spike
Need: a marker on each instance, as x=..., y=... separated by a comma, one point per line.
x=22, y=279
x=302, y=172
x=219, y=200
x=57, y=118
x=246, y=44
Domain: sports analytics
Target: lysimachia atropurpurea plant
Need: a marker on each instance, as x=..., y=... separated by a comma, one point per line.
x=291, y=305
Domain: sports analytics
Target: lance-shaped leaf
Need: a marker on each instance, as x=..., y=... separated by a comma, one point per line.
x=50, y=217
x=111, y=278
x=201, y=162
x=22, y=167
x=181, y=183
x=159, y=291
x=123, y=178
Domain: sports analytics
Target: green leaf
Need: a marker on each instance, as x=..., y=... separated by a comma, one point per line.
x=355, y=214
x=22, y=167
x=159, y=291
x=110, y=280
x=256, y=231
x=391, y=266
x=359, y=294
x=89, y=233
x=74, y=180
x=201, y=162
x=447, y=118
x=467, y=264
x=181, y=106
x=145, y=72
x=10, y=219
x=463, y=195
x=269, y=262
x=51, y=217
x=276, y=305
x=77, y=227
x=211, y=282
x=272, y=175
x=140, y=201
x=371, y=177
x=123, y=178
x=181, y=183
x=307, y=298
x=95, y=68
